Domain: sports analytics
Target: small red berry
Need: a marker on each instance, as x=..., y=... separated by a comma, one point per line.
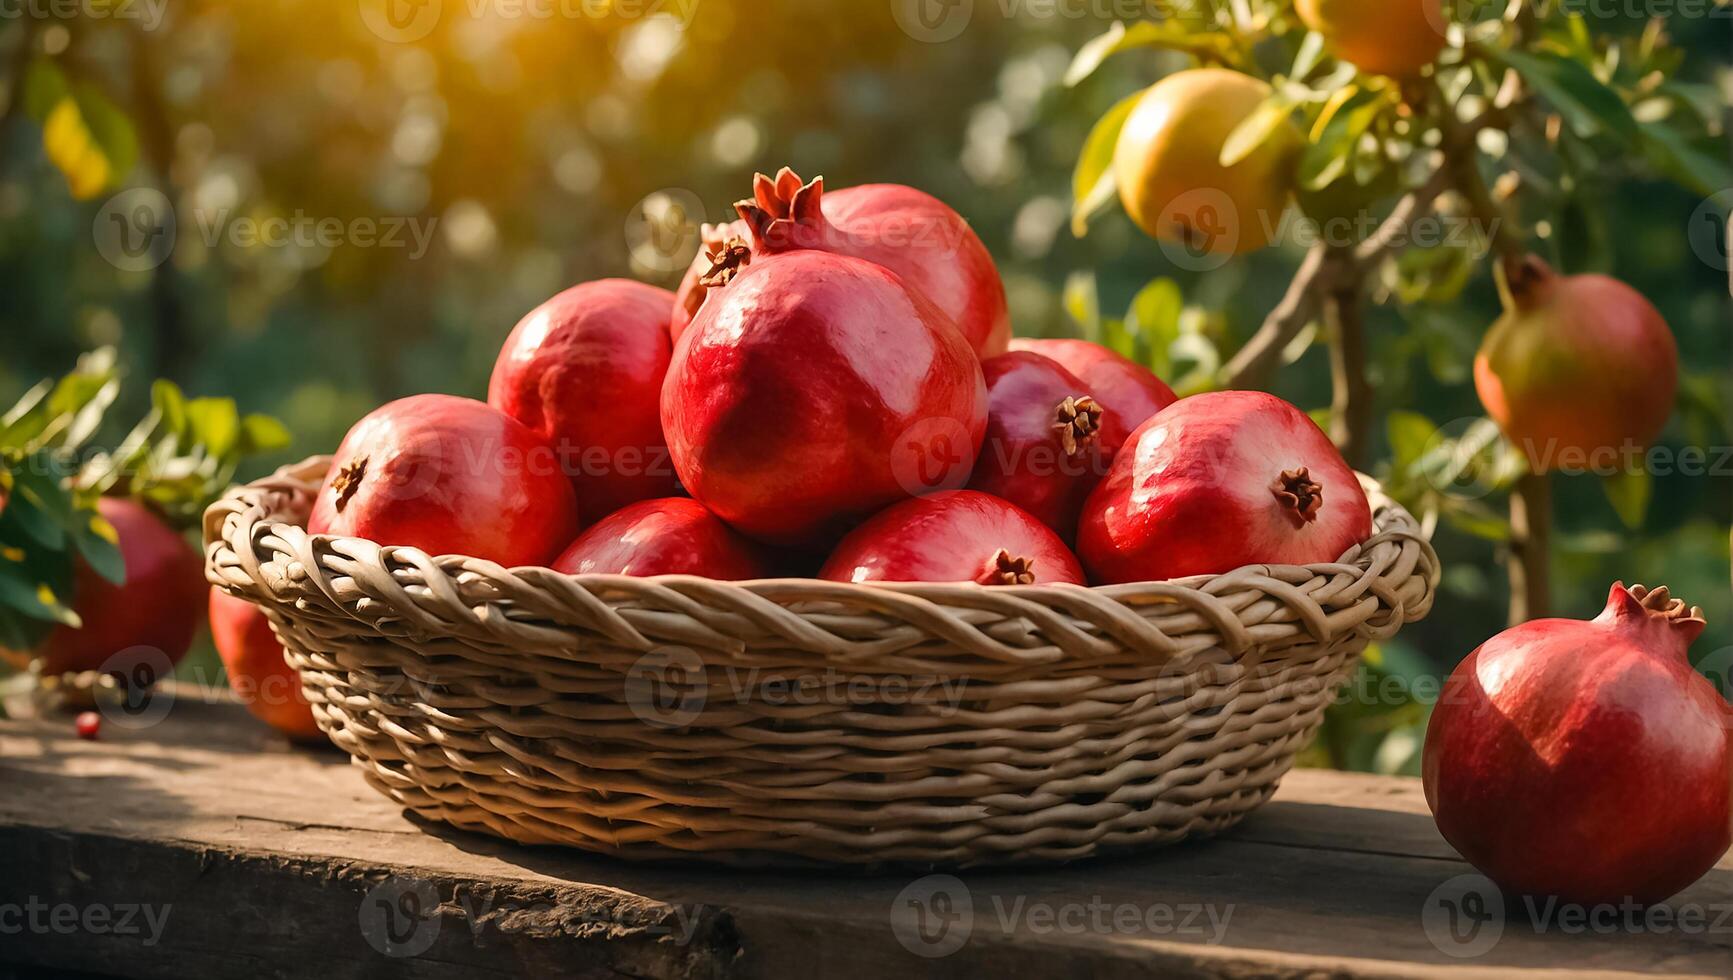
x=87, y=724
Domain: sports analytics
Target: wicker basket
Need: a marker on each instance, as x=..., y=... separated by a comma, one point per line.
x=793, y=721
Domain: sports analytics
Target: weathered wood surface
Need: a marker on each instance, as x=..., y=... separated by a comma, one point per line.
x=260, y=860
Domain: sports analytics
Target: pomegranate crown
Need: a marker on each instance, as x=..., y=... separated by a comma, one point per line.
x=1641, y=604
x=1078, y=422
x=1524, y=282
x=1005, y=568
x=1300, y=496
x=784, y=211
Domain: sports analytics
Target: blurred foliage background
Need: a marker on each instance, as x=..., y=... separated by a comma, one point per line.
x=436, y=189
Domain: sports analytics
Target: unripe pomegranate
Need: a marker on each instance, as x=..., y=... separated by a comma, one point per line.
x=1049, y=441
x=450, y=476
x=1586, y=760
x=1128, y=390
x=585, y=370
x=958, y=536
x=1168, y=164
x=672, y=536
x=912, y=233
x=810, y=391
x=260, y=677
x=1217, y=482
x=1579, y=371
x=1385, y=37
x=159, y=605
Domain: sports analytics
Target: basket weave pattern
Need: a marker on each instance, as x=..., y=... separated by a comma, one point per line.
x=792, y=721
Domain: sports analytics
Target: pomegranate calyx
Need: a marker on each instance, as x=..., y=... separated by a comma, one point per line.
x=1524, y=283
x=1008, y=569
x=784, y=213
x=727, y=259
x=1657, y=605
x=1078, y=422
x=1302, y=496
x=348, y=480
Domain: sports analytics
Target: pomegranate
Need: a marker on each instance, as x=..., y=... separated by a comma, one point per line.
x=672, y=536
x=258, y=674
x=88, y=725
x=815, y=389
x=1385, y=37
x=913, y=234
x=450, y=476
x=1585, y=760
x=958, y=536
x=158, y=606
x=1219, y=481
x=1048, y=440
x=1579, y=372
x=1168, y=164
x=690, y=296
x=1129, y=391
x=585, y=370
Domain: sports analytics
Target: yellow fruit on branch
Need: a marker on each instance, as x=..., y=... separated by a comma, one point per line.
x=1168, y=164
x=1386, y=37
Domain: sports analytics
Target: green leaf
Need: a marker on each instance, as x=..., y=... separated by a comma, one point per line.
x=215, y=424
x=166, y=398
x=22, y=590
x=84, y=134
x=1588, y=106
x=1258, y=128
x=1174, y=35
x=1629, y=493
x=1083, y=303
x=1310, y=55
x=1672, y=154
x=98, y=544
x=1092, y=184
x=263, y=434
x=1409, y=433
x=1154, y=317
x=1326, y=159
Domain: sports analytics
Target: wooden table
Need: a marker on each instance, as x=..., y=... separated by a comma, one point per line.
x=203, y=846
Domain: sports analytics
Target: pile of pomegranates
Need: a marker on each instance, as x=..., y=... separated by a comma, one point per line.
x=832, y=393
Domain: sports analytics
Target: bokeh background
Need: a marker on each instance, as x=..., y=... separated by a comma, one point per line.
x=445, y=165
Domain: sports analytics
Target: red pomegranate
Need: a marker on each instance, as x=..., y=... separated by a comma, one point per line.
x=1220, y=481
x=1048, y=443
x=1586, y=760
x=450, y=476
x=815, y=389
x=709, y=261
x=959, y=536
x=585, y=371
x=258, y=674
x=158, y=606
x=672, y=536
x=912, y=233
x=1580, y=372
x=1127, y=389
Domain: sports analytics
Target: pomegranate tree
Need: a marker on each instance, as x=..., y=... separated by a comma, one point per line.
x=1219, y=481
x=450, y=476
x=959, y=536
x=585, y=370
x=810, y=390
x=1586, y=760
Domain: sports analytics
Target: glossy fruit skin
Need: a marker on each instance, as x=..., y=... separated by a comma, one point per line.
x=690, y=295
x=956, y=536
x=1584, y=760
x=1580, y=372
x=585, y=370
x=1194, y=491
x=671, y=536
x=1385, y=37
x=258, y=674
x=88, y=725
x=1168, y=164
x=1026, y=459
x=808, y=393
x=1128, y=390
x=450, y=476
x=910, y=232
x=160, y=604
